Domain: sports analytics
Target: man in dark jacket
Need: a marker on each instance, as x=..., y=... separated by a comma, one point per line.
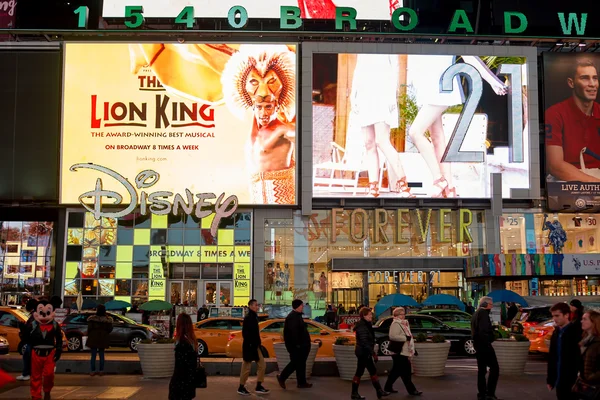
x=297, y=343
x=483, y=336
x=23, y=329
x=251, y=348
x=564, y=353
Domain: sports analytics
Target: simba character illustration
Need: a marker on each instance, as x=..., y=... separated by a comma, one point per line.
x=263, y=79
x=557, y=237
x=45, y=340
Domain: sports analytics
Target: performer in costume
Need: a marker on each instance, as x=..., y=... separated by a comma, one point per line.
x=264, y=79
x=45, y=340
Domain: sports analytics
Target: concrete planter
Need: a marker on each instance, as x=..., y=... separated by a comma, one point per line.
x=431, y=360
x=512, y=356
x=346, y=362
x=283, y=358
x=157, y=360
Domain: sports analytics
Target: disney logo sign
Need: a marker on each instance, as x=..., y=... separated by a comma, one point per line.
x=156, y=202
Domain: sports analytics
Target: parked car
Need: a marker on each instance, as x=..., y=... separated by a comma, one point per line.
x=4, y=346
x=539, y=335
x=126, y=332
x=460, y=339
x=10, y=319
x=530, y=316
x=453, y=318
x=271, y=332
x=213, y=333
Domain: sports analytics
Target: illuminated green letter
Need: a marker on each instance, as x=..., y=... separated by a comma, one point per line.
x=345, y=14
x=412, y=16
x=289, y=18
x=573, y=20
x=233, y=13
x=460, y=21
x=508, y=19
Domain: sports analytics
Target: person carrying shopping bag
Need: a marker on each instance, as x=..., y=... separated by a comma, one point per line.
x=183, y=382
x=403, y=347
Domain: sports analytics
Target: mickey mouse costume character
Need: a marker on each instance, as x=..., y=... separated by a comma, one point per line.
x=45, y=340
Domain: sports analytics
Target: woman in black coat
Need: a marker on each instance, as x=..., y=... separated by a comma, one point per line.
x=183, y=385
x=365, y=352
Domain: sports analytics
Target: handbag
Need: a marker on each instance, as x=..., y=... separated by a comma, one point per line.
x=396, y=347
x=263, y=351
x=200, y=377
x=585, y=391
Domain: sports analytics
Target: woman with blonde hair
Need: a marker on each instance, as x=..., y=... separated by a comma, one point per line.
x=590, y=348
x=182, y=385
x=403, y=347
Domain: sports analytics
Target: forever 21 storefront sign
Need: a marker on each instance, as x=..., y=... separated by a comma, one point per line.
x=157, y=203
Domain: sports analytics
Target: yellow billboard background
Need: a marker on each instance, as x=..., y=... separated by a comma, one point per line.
x=219, y=162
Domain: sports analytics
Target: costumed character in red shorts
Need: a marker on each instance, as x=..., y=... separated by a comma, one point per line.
x=45, y=340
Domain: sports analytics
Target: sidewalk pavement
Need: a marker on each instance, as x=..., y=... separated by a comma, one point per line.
x=459, y=383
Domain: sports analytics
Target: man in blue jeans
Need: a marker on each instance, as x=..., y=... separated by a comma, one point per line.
x=29, y=307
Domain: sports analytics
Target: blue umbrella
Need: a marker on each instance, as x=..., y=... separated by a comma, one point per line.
x=394, y=300
x=507, y=296
x=444, y=299
x=117, y=305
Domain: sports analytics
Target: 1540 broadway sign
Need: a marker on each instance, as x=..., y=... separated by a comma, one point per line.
x=291, y=14
x=158, y=203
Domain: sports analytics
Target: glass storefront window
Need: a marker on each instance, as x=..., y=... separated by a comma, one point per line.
x=298, y=251
x=26, y=259
x=135, y=256
x=528, y=233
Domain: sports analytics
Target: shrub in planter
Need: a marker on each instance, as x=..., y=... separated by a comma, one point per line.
x=343, y=350
x=512, y=354
x=283, y=358
x=157, y=358
x=432, y=355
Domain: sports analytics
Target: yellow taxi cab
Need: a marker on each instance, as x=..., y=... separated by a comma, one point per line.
x=539, y=336
x=212, y=333
x=10, y=319
x=271, y=332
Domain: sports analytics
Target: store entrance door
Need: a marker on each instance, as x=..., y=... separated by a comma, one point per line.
x=347, y=297
x=218, y=293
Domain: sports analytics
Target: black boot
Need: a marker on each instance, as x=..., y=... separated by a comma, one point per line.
x=380, y=392
x=355, y=384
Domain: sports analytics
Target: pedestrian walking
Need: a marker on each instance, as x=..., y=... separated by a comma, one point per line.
x=182, y=385
x=564, y=355
x=24, y=328
x=365, y=352
x=576, y=312
x=297, y=343
x=483, y=336
x=252, y=351
x=403, y=347
x=202, y=313
x=99, y=328
x=590, y=348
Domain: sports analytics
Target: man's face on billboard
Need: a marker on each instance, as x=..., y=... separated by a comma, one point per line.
x=585, y=83
x=265, y=112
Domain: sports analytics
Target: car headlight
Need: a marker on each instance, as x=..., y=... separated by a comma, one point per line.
x=153, y=331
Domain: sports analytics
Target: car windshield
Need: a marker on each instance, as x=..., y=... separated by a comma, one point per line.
x=121, y=317
x=21, y=314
